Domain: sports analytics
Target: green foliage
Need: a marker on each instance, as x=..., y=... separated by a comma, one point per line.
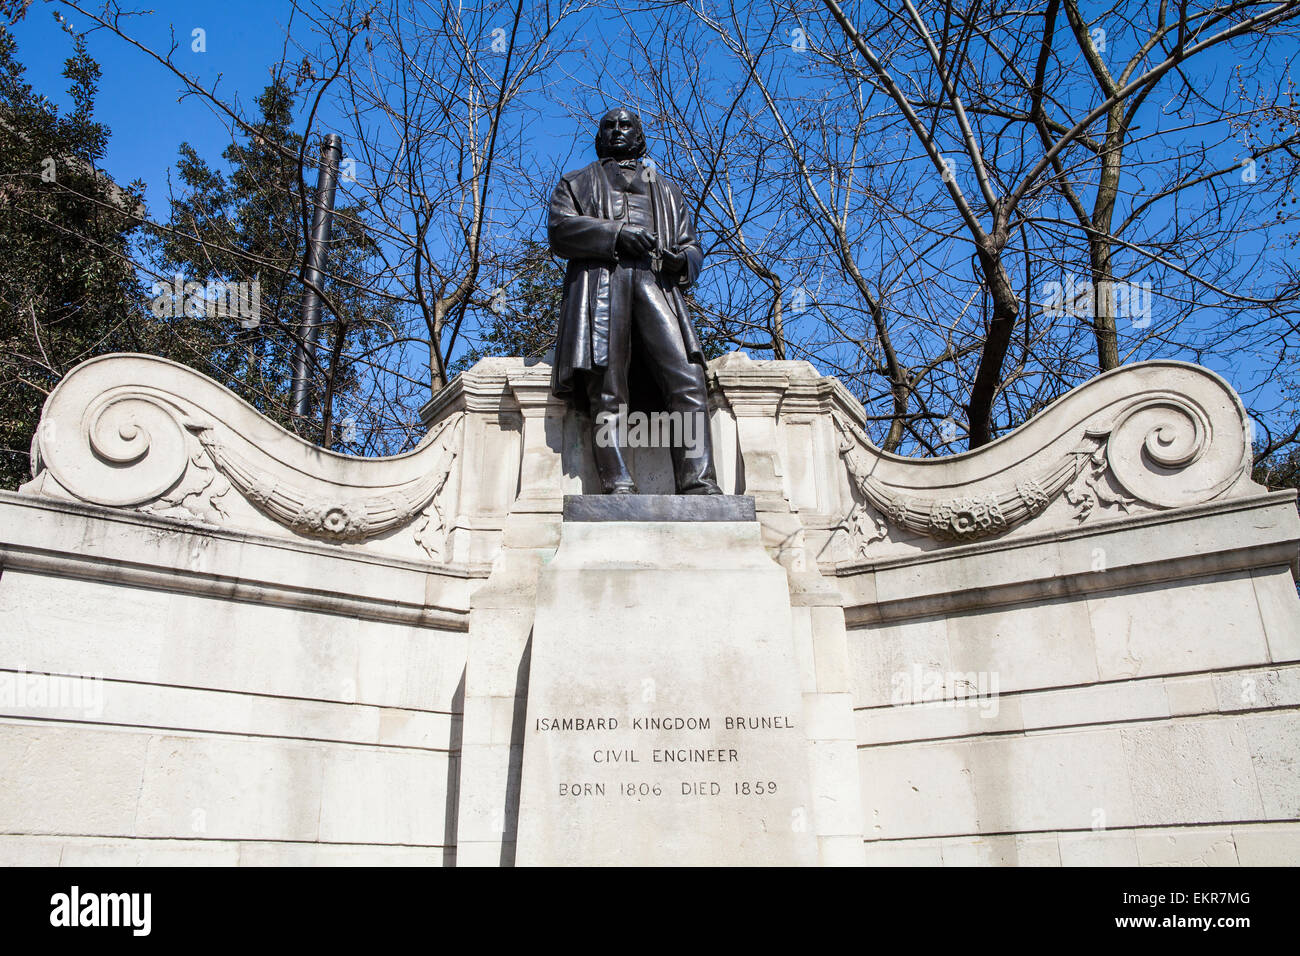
x=68, y=290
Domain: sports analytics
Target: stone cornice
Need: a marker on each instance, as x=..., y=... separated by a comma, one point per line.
x=1156, y=435
x=142, y=433
x=1257, y=532
x=151, y=551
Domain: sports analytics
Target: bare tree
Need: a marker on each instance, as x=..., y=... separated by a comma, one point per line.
x=938, y=188
x=1193, y=35
x=439, y=132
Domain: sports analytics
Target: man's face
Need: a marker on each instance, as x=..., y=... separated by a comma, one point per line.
x=620, y=131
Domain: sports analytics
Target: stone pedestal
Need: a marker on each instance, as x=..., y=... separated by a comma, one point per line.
x=664, y=717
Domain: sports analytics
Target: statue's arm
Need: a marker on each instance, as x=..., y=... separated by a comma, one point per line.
x=575, y=236
x=686, y=242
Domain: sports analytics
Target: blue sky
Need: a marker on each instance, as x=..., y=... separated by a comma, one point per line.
x=139, y=99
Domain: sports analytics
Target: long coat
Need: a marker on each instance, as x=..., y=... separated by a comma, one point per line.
x=585, y=216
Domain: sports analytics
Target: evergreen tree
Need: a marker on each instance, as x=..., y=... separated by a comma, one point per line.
x=68, y=290
x=248, y=227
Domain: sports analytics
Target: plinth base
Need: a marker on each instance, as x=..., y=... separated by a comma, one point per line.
x=664, y=718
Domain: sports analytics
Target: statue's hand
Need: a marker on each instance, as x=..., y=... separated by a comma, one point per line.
x=674, y=261
x=633, y=241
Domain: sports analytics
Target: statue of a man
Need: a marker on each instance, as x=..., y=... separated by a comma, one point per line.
x=630, y=242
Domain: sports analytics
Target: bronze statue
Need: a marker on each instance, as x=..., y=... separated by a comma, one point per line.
x=630, y=242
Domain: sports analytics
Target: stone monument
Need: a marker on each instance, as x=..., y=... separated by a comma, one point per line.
x=665, y=717
x=1079, y=644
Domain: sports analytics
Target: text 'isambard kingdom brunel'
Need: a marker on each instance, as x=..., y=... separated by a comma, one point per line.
x=645, y=769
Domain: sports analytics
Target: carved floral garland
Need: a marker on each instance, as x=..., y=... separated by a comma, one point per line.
x=974, y=517
x=343, y=520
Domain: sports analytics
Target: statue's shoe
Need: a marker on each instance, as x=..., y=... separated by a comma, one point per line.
x=704, y=489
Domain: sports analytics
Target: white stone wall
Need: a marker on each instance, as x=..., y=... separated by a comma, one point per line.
x=172, y=696
x=1132, y=723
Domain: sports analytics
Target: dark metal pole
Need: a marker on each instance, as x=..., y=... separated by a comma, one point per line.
x=314, y=271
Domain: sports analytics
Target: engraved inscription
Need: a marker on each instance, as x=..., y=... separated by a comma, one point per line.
x=618, y=744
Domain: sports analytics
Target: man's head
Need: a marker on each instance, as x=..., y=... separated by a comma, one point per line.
x=620, y=135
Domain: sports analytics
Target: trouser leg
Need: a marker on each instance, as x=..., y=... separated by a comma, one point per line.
x=682, y=382
x=609, y=425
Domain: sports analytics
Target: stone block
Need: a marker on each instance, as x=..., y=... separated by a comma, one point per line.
x=1271, y=743
x=1268, y=844
x=1191, y=695
x=384, y=796
x=1190, y=771
x=904, y=853
x=1207, y=625
x=230, y=789
x=1034, y=645
x=1095, y=704
x=883, y=658
x=1189, y=846
x=70, y=779
x=1098, y=848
